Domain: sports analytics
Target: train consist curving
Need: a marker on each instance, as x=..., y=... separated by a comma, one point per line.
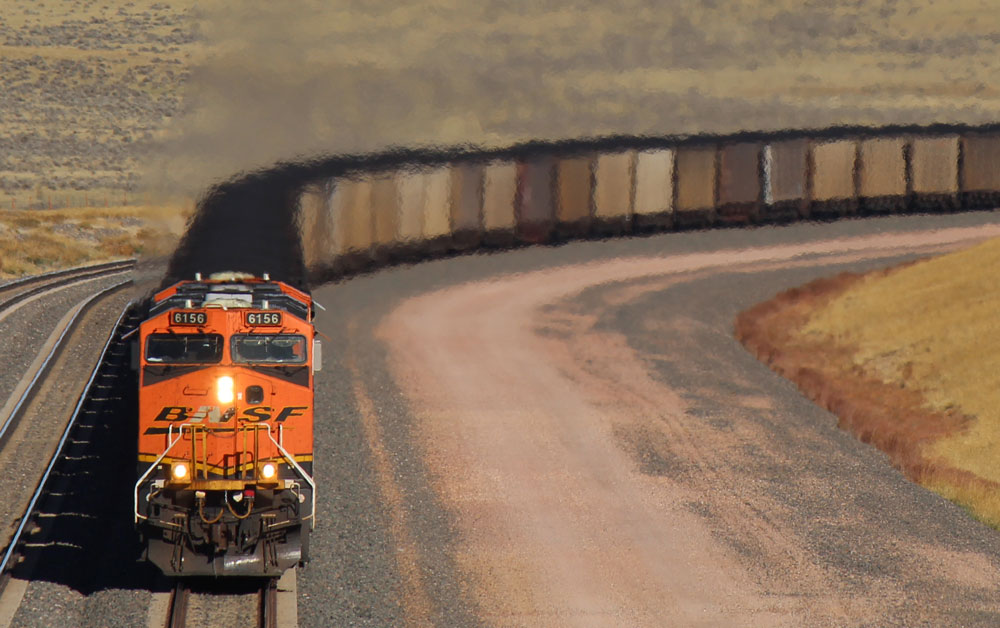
x=544, y=193
x=226, y=363
x=225, y=418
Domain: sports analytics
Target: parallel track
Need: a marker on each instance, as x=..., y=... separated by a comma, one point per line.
x=39, y=376
x=114, y=358
x=13, y=292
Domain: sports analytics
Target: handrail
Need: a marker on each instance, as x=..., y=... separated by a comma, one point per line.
x=170, y=445
x=192, y=427
x=305, y=476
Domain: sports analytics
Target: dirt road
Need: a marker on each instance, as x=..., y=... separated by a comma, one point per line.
x=571, y=436
x=588, y=491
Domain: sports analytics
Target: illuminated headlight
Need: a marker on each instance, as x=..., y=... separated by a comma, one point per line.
x=224, y=389
x=268, y=471
x=179, y=472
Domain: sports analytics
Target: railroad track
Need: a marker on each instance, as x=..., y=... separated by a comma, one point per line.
x=18, y=291
x=14, y=292
x=101, y=392
x=53, y=527
x=211, y=607
x=6, y=423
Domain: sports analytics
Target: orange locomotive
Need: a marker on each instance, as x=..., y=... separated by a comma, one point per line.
x=226, y=427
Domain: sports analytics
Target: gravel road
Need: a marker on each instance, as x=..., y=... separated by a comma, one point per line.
x=463, y=491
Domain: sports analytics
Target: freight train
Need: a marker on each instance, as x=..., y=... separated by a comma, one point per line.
x=225, y=420
x=545, y=193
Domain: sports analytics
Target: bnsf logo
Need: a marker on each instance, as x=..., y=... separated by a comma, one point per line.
x=212, y=414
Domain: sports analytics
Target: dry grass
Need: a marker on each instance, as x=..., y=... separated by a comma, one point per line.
x=933, y=328
x=35, y=241
x=982, y=502
x=360, y=76
x=86, y=88
x=83, y=86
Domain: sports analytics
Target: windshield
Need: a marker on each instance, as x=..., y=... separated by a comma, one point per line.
x=184, y=348
x=269, y=349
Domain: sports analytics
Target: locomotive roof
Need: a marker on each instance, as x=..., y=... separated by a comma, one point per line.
x=239, y=294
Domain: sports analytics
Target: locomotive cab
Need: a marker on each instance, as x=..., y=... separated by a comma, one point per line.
x=225, y=445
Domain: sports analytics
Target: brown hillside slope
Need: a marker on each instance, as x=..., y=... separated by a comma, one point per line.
x=907, y=360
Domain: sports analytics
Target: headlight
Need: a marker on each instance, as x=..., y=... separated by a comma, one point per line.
x=224, y=389
x=268, y=471
x=179, y=472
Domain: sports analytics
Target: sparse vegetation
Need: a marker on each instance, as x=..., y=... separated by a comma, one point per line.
x=35, y=241
x=363, y=76
x=84, y=86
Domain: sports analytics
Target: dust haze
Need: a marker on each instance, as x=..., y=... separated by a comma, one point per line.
x=291, y=80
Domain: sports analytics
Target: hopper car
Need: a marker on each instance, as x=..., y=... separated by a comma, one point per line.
x=420, y=210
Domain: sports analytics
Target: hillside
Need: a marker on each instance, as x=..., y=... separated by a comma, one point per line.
x=909, y=360
x=85, y=87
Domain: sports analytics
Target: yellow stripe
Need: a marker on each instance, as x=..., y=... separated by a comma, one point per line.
x=152, y=458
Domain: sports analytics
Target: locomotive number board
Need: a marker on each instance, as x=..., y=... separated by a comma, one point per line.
x=188, y=318
x=263, y=319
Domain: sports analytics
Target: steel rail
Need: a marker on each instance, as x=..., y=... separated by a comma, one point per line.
x=70, y=424
x=59, y=279
x=52, y=274
x=43, y=369
x=177, y=608
x=268, y=604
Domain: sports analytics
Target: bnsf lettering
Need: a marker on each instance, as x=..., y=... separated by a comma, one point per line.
x=172, y=413
x=213, y=414
x=207, y=412
x=290, y=411
x=260, y=413
x=263, y=413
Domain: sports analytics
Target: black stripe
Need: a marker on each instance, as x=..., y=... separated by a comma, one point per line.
x=156, y=373
x=298, y=375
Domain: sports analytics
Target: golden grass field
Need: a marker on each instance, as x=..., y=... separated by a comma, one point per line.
x=178, y=94
x=36, y=241
x=85, y=87
x=934, y=328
